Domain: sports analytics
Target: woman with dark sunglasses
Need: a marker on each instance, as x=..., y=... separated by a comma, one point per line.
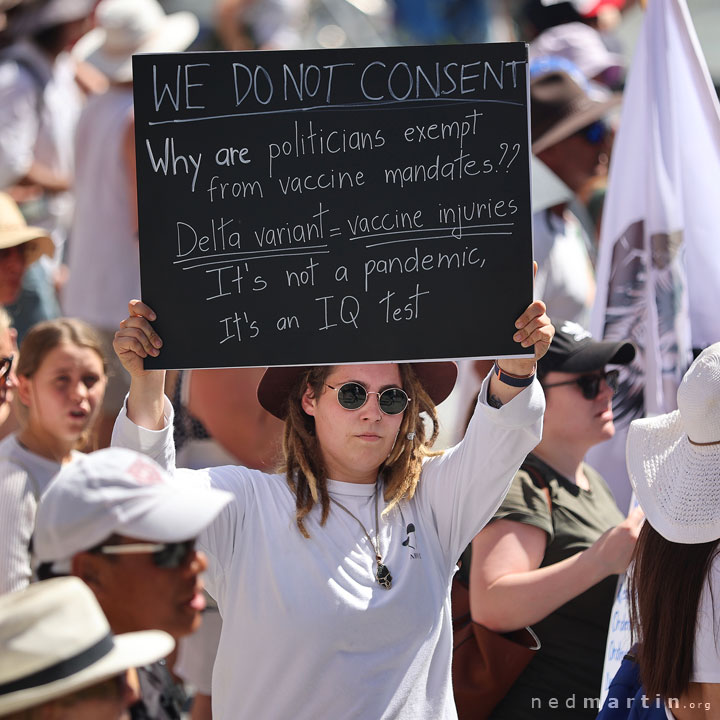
x=333, y=577
x=552, y=552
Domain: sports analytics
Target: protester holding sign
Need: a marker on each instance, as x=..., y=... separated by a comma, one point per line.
x=333, y=579
x=551, y=555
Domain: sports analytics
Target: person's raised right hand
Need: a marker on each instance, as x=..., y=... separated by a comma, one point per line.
x=136, y=339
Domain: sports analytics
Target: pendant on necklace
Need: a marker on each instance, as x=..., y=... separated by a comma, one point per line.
x=383, y=575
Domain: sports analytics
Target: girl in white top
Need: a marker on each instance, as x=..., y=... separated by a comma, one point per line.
x=674, y=462
x=333, y=579
x=60, y=384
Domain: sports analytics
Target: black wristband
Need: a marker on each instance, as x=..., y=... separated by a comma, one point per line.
x=511, y=380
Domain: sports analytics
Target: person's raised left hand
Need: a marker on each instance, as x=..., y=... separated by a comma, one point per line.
x=533, y=329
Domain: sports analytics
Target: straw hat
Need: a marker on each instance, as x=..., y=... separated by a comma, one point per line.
x=674, y=460
x=128, y=27
x=55, y=640
x=15, y=231
x=438, y=379
x=560, y=107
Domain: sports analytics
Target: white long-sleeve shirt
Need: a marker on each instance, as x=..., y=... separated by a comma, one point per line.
x=307, y=631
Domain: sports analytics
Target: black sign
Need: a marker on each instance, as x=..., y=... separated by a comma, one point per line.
x=334, y=206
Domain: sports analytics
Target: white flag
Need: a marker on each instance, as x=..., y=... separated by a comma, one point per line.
x=658, y=272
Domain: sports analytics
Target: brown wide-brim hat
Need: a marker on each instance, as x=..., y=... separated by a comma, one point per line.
x=438, y=379
x=15, y=231
x=559, y=107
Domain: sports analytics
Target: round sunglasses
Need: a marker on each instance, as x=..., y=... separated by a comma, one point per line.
x=352, y=396
x=590, y=383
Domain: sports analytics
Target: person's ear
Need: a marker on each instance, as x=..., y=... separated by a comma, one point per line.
x=308, y=402
x=23, y=389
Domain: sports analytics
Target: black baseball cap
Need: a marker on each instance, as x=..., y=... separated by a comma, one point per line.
x=573, y=350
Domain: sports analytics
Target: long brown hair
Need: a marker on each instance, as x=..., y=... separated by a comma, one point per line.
x=663, y=609
x=304, y=468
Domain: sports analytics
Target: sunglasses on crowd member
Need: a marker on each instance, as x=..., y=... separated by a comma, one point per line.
x=5, y=366
x=590, y=384
x=594, y=133
x=164, y=555
x=352, y=396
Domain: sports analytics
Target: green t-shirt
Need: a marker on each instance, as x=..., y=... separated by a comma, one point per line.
x=563, y=679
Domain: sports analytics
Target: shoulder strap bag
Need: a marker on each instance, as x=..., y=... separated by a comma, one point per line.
x=486, y=664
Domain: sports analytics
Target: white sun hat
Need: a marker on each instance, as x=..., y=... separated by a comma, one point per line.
x=118, y=491
x=128, y=27
x=674, y=460
x=55, y=640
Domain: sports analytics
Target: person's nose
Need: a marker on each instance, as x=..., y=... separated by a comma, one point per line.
x=371, y=409
x=606, y=392
x=78, y=390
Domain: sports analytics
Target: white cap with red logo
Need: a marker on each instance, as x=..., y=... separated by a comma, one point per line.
x=119, y=491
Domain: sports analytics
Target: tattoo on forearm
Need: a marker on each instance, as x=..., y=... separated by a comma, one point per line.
x=495, y=401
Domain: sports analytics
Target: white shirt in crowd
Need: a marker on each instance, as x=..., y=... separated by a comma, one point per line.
x=565, y=279
x=307, y=631
x=24, y=477
x=103, y=257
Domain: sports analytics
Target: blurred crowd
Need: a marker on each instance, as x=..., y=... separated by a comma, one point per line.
x=69, y=263
x=65, y=73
